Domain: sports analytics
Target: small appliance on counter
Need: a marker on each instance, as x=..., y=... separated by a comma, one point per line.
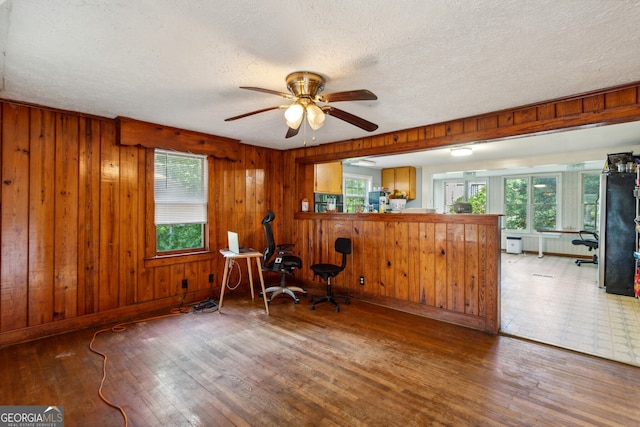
x=463, y=207
x=375, y=197
x=324, y=202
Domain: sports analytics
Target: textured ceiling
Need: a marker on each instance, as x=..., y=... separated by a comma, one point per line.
x=180, y=63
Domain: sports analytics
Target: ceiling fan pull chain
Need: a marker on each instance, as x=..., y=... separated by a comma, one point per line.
x=304, y=133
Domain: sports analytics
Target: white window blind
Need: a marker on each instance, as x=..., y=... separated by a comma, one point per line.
x=180, y=188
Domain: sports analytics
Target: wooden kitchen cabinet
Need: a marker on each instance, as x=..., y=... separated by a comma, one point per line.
x=402, y=179
x=328, y=178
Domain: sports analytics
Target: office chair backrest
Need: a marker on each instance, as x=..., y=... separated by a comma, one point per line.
x=268, y=234
x=343, y=246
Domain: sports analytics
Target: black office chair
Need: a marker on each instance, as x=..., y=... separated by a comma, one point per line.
x=327, y=271
x=591, y=241
x=278, y=259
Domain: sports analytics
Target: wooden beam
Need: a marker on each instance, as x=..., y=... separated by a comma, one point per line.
x=150, y=135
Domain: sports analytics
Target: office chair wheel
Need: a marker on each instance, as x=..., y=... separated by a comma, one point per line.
x=336, y=309
x=312, y=307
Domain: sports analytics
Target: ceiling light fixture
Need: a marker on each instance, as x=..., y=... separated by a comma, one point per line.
x=315, y=116
x=363, y=162
x=306, y=99
x=295, y=113
x=461, y=152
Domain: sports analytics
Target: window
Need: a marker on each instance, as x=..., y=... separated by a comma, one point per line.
x=180, y=194
x=516, y=196
x=531, y=203
x=356, y=191
x=590, y=194
x=471, y=191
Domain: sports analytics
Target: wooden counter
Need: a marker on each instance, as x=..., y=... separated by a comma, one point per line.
x=437, y=265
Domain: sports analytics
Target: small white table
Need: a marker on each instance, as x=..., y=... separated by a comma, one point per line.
x=251, y=253
x=554, y=234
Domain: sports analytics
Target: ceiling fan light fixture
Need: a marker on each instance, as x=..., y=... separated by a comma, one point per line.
x=305, y=89
x=315, y=116
x=461, y=152
x=293, y=115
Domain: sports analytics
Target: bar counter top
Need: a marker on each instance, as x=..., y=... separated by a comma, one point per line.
x=401, y=217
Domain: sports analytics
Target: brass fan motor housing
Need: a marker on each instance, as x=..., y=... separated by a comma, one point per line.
x=305, y=84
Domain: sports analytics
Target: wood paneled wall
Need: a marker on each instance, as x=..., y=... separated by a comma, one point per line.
x=74, y=217
x=441, y=266
x=76, y=225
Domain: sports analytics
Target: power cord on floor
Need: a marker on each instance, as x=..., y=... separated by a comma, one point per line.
x=206, y=306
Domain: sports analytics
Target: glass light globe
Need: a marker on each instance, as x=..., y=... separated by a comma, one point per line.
x=315, y=116
x=293, y=115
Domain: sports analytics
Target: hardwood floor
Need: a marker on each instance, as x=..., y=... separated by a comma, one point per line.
x=365, y=365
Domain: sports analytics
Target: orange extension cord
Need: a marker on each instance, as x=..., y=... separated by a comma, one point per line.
x=120, y=327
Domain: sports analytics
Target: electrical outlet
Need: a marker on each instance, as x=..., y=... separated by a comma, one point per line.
x=185, y=284
x=211, y=278
x=362, y=280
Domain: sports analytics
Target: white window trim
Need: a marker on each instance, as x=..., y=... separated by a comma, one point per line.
x=580, y=218
x=465, y=182
x=529, y=227
x=367, y=178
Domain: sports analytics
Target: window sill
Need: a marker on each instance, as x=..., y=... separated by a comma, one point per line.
x=164, y=260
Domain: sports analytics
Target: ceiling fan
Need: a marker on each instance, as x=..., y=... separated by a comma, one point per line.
x=305, y=90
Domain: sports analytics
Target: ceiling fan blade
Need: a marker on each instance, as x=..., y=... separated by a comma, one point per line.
x=251, y=113
x=291, y=132
x=350, y=118
x=349, y=95
x=269, y=91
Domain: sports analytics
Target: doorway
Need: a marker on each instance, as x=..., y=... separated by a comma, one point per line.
x=553, y=301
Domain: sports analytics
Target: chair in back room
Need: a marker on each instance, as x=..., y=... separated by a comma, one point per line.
x=591, y=240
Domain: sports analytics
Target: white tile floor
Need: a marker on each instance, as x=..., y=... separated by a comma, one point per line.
x=552, y=300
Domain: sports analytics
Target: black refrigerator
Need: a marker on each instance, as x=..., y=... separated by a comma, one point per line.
x=616, y=264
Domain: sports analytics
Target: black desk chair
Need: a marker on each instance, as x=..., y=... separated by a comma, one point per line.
x=327, y=271
x=591, y=240
x=278, y=259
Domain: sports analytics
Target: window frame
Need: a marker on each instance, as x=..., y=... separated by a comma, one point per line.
x=368, y=185
x=466, y=182
x=583, y=204
x=530, y=213
x=152, y=235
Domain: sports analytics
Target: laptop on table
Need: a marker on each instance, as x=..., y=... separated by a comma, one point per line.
x=233, y=245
